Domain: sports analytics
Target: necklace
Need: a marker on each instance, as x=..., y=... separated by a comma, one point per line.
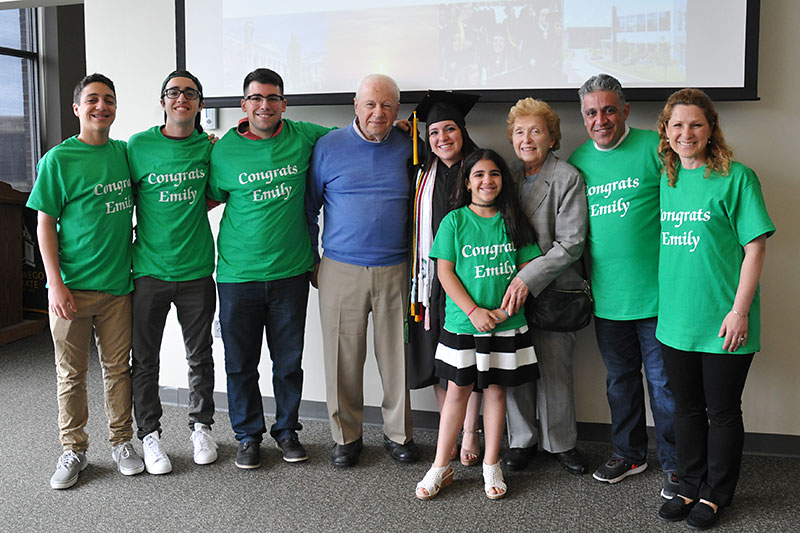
x=482, y=205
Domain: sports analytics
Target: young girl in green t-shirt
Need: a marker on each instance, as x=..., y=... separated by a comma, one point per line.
x=480, y=246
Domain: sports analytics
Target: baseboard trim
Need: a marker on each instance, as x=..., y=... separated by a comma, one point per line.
x=771, y=444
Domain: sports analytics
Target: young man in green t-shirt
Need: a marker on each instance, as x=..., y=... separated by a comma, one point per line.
x=173, y=259
x=83, y=196
x=258, y=169
x=621, y=168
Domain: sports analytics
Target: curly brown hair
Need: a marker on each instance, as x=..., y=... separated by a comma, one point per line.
x=718, y=154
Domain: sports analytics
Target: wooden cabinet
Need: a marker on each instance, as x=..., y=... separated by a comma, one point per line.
x=12, y=324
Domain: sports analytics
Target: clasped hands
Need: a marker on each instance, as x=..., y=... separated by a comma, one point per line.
x=487, y=319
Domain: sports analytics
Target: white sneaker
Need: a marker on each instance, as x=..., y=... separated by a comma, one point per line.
x=156, y=460
x=205, y=449
x=69, y=465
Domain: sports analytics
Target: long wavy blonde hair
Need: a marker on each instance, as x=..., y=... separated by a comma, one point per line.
x=718, y=154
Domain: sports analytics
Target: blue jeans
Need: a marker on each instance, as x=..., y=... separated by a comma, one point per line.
x=245, y=310
x=627, y=345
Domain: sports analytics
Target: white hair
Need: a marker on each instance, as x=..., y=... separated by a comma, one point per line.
x=378, y=78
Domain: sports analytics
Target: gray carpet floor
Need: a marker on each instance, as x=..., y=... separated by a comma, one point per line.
x=376, y=495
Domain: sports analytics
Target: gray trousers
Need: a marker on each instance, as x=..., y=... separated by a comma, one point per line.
x=195, y=302
x=550, y=399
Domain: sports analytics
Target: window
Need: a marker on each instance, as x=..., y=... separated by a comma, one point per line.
x=652, y=22
x=663, y=21
x=641, y=22
x=19, y=130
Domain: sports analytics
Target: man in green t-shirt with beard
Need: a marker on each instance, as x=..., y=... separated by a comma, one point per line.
x=173, y=259
x=264, y=262
x=622, y=171
x=83, y=196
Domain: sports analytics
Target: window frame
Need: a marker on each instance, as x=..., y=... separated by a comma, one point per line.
x=35, y=100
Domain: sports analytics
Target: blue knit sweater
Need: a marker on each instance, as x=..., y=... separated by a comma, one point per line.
x=365, y=189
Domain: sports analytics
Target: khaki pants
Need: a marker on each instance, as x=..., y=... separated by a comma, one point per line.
x=110, y=317
x=347, y=295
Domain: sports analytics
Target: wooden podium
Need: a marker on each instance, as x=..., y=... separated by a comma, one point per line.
x=12, y=324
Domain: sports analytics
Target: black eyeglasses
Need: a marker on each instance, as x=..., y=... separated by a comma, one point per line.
x=173, y=93
x=270, y=98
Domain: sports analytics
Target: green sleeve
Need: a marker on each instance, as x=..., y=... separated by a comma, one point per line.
x=216, y=171
x=48, y=194
x=528, y=252
x=444, y=242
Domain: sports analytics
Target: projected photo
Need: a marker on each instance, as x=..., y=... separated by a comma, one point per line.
x=640, y=42
x=319, y=47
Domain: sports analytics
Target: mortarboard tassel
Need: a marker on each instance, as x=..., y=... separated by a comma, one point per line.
x=414, y=138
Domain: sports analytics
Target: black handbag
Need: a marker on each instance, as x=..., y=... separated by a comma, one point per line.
x=561, y=309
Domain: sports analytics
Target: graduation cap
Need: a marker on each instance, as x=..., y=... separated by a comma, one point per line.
x=437, y=106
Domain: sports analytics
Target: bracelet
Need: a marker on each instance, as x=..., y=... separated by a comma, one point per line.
x=735, y=312
x=506, y=312
x=471, y=310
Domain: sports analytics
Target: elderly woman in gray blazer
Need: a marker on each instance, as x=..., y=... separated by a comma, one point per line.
x=553, y=196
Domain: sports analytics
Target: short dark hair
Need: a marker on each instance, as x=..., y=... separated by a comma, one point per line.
x=263, y=75
x=91, y=78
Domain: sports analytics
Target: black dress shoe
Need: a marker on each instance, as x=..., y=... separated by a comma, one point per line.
x=572, y=461
x=675, y=510
x=702, y=516
x=518, y=458
x=346, y=454
x=402, y=453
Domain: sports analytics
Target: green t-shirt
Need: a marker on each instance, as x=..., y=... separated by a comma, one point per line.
x=622, y=192
x=704, y=225
x=87, y=189
x=173, y=237
x=263, y=234
x=486, y=262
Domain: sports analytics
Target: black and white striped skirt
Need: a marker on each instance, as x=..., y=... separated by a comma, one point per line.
x=504, y=358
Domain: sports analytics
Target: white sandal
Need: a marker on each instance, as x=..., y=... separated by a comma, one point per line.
x=435, y=479
x=493, y=479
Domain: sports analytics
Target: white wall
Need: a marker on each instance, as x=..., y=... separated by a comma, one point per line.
x=134, y=44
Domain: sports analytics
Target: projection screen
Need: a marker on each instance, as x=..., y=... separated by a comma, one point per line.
x=501, y=49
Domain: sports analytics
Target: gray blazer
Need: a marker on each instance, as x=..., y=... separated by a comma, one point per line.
x=557, y=209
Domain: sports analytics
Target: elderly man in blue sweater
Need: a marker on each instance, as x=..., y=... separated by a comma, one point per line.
x=360, y=175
